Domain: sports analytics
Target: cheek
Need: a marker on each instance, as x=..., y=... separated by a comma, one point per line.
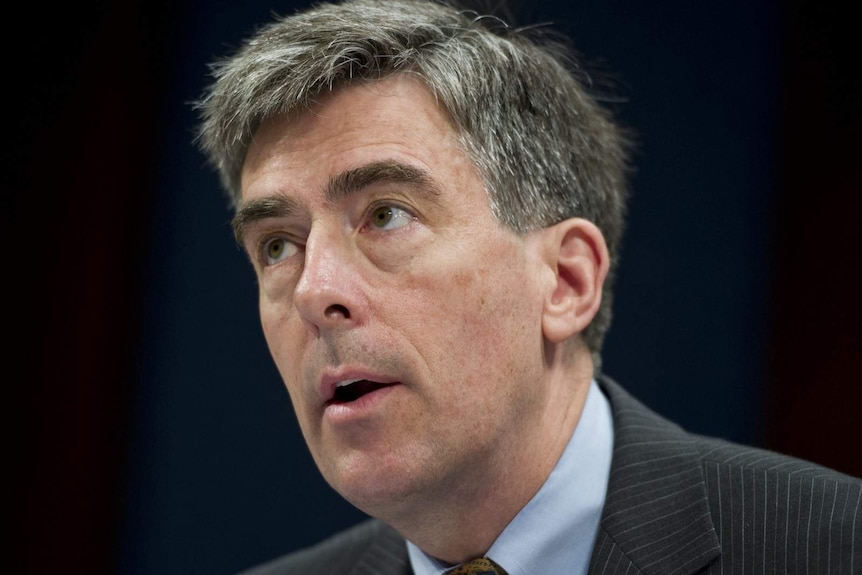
x=489, y=314
x=276, y=321
x=272, y=321
x=486, y=354
x=278, y=283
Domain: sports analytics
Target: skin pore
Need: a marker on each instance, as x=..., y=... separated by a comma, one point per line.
x=431, y=354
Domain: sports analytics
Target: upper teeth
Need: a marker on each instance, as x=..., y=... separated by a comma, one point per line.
x=346, y=382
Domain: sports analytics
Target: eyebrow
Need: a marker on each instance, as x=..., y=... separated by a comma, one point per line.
x=338, y=187
x=259, y=209
x=355, y=179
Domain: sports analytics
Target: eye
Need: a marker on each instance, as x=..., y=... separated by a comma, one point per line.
x=390, y=218
x=275, y=250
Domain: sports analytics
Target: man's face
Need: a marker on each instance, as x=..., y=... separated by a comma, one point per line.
x=404, y=320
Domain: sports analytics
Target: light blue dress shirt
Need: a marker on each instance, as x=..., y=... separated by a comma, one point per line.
x=555, y=531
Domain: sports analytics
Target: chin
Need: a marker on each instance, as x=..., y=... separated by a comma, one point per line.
x=377, y=490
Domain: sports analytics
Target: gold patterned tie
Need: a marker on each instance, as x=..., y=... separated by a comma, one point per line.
x=481, y=566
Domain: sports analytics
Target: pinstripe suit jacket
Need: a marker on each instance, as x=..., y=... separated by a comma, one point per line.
x=677, y=504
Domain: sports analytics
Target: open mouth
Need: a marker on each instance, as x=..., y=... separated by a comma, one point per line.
x=351, y=390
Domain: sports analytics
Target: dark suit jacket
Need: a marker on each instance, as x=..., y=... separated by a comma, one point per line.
x=677, y=503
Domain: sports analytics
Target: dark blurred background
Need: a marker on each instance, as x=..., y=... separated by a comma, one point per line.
x=149, y=430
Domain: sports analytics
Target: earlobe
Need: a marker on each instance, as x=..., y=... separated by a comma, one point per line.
x=580, y=256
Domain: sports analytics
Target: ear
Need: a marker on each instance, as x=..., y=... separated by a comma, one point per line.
x=578, y=252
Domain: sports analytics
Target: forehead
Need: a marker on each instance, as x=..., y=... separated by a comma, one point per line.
x=394, y=119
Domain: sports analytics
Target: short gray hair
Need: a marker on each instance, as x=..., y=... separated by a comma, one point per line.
x=546, y=147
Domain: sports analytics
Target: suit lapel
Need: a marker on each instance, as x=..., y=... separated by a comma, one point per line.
x=656, y=517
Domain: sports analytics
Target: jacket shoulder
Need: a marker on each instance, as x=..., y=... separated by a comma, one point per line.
x=727, y=507
x=370, y=541
x=756, y=460
x=781, y=513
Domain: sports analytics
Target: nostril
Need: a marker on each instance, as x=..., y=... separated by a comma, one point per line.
x=337, y=310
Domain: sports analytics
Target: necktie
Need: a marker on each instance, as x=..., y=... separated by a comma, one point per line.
x=481, y=566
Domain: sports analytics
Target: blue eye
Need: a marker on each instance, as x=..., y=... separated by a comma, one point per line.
x=390, y=218
x=277, y=249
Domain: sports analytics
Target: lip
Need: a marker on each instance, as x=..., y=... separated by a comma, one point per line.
x=347, y=415
x=330, y=379
x=360, y=411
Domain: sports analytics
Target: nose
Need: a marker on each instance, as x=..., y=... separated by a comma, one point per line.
x=328, y=293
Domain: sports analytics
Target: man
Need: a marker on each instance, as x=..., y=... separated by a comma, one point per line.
x=433, y=204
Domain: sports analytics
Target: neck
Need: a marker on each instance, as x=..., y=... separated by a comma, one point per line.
x=463, y=519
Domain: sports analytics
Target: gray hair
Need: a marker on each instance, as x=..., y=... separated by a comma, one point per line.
x=546, y=147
